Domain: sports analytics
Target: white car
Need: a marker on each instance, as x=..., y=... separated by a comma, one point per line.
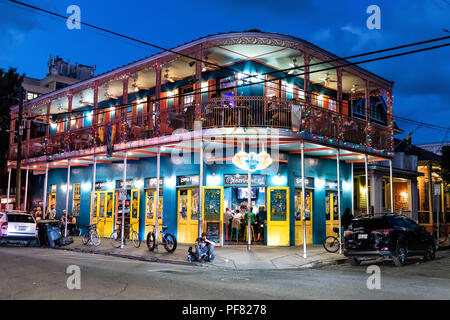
x=18, y=228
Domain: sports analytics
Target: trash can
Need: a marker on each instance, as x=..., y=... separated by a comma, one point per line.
x=49, y=232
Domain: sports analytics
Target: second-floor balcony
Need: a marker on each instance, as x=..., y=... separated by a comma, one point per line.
x=257, y=111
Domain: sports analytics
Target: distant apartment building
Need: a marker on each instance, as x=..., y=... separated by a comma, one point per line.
x=60, y=74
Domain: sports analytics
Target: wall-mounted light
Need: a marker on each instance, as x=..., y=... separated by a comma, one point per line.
x=86, y=186
x=171, y=182
x=346, y=186
x=213, y=179
x=278, y=180
x=139, y=183
x=110, y=185
x=64, y=187
x=320, y=183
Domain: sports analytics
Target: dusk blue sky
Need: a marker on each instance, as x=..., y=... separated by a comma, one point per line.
x=421, y=89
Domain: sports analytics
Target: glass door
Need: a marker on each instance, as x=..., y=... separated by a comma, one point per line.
x=331, y=212
x=278, y=216
x=299, y=217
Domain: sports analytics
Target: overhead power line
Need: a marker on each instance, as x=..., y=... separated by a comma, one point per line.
x=271, y=72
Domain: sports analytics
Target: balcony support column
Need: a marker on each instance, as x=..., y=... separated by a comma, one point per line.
x=9, y=187
x=69, y=110
x=95, y=118
x=391, y=186
x=198, y=85
x=94, y=173
x=306, y=87
x=339, y=90
x=158, y=100
x=302, y=148
x=26, y=189
x=367, y=183
x=124, y=195
x=124, y=108
x=338, y=170
x=44, y=202
x=67, y=196
x=158, y=175
x=367, y=107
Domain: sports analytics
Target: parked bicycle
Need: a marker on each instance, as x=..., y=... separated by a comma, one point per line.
x=331, y=243
x=168, y=240
x=91, y=235
x=116, y=236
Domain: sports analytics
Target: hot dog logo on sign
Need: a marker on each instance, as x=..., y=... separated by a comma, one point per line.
x=252, y=161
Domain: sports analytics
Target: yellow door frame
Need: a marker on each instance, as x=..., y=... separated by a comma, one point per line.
x=331, y=223
x=110, y=222
x=185, y=227
x=221, y=213
x=134, y=222
x=277, y=231
x=151, y=221
x=101, y=216
x=299, y=223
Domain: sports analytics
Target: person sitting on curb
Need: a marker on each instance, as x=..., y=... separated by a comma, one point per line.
x=204, y=250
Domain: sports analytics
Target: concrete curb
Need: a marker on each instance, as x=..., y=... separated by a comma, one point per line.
x=311, y=265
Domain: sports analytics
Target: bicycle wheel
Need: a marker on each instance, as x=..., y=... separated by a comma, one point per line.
x=134, y=236
x=151, y=241
x=170, y=242
x=85, y=238
x=331, y=244
x=115, y=239
x=95, y=238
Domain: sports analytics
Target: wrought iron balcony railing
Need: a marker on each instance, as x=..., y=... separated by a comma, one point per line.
x=214, y=113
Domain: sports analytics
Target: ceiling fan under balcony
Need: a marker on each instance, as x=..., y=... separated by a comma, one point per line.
x=294, y=65
x=326, y=80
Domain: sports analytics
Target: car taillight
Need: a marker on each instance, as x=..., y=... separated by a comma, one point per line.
x=347, y=233
x=382, y=231
x=4, y=229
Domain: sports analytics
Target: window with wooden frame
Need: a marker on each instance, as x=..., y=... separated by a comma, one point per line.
x=60, y=124
x=272, y=87
x=187, y=96
x=76, y=199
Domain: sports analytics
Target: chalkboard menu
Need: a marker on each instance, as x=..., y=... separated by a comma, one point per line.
x=278, y=205
x=213, y=231
x=212, y=204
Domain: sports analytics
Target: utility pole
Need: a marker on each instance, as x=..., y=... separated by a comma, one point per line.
x=19, y=150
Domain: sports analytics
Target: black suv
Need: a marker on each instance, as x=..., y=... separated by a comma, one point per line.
x=385, y=237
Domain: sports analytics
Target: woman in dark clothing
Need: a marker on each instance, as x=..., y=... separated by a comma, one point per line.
x=347, y=218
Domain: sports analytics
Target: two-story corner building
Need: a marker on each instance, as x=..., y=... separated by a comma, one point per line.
x=210, y=99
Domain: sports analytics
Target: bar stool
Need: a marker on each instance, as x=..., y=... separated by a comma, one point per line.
x=252, y=233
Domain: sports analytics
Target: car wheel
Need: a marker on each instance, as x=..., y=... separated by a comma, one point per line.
x=354, y=261
x=431, y=252
x=400, y=256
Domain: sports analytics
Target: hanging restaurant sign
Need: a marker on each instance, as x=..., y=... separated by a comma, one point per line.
x=188, y=180
x=150, y=183
x=309, y=182
x=252, y=161
x=238, y=179
x=128, y=184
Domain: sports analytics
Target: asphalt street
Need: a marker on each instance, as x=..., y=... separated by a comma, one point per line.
x=35, y=273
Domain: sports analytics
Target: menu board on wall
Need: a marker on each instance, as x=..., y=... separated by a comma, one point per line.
x=212, y=204
x=213, y=231
x=278, y=205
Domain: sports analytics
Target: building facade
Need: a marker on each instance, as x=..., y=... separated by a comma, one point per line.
x=184, y=115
